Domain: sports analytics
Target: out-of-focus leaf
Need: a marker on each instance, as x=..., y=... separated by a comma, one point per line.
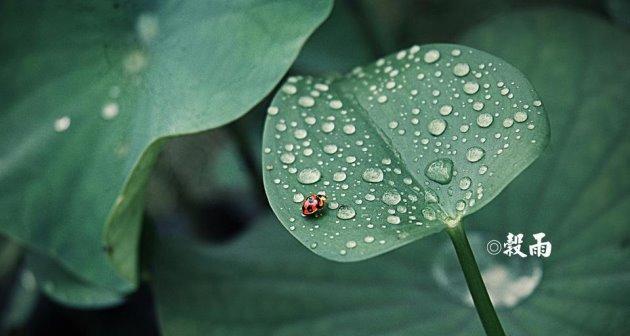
x=337, y=46
x=66, y=288
x=620, y=11
x=20, y=304
x=92, y=89
x=402, y=147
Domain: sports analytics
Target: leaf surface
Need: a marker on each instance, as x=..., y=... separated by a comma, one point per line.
x=401, y=148
x=92, y=90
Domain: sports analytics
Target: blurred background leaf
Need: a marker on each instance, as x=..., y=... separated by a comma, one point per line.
x=576, y=193
x=92, y=90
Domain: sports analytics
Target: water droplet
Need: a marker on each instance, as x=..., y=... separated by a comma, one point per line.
x=508, y=122
x=520, y=116
x=475, y=154
x=484, y=120
x=446, y=110
x=298, y=198
x=392, y=219
x=300, y=134
x=368, y=239
x=465, y=183
x=328, y=127
x=373, y=175
x=437, y=126
x=110, y=111
x=289, y=89
x=428, y=214
x=336, y=104
x=272, y=110
x=537, y=103
x=431, y=56
x=430, y=196
x=339, y=176
x=461, y=69
x=440, y=171
x=471, y=87
x=287, y=158
x=306, y=101
x=345, y=212
x=477, y=106
x=330, y=149
x=351, y=244
x=62, y=124
x=349, y=129
x=391, y=197
x=309, y=176
x=382, y=99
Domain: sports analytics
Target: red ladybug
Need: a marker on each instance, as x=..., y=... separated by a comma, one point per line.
x=313, y=205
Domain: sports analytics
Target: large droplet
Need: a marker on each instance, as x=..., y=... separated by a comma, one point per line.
x=345, y=212
x=431, y=56
x=373, y=175
x=309, y=176
x=287, y=158
x=440, y=171
x=475, y=154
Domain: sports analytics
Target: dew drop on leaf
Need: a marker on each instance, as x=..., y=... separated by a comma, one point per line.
x=309, y=176
x=373, y=175
x=440, y=171
x=345, y=212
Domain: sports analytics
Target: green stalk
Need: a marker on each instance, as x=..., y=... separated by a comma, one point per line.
x=487, y=314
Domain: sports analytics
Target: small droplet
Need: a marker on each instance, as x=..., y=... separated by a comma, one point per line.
x=110, y=111
x=446, y=110
x=289, y=89
x=508, y=122
x=484, y=120
x=309, y=176
x=391, y=197
x=461, y=69
x=351, y=244
x=300, y=134
x=62, y=124
x=349, y=129
x=306, y=101
x=393, y=219
x=440, y=171
x=328, y=127
x=330, y=149
x=428, y=214
x=335, y=104
x=465, y=183
x=471, y=87
x=436, y=126
x=287, y=158
x=368, y=239
x=520, y=116
x=431, y=56
x=373, y=175
x=297, y=198
x=345, y=212
x=272, y=110
x=339, y=176
x=475, y=154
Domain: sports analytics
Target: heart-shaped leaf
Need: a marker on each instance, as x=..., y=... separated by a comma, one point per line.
x=89, y=93
x=401, y=148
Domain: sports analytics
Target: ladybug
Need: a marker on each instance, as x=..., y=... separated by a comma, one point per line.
x=313, y=205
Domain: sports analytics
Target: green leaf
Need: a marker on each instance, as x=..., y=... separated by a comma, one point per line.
x=66, y=288
x=92, y=90
x=620, y=11
x=402, y=147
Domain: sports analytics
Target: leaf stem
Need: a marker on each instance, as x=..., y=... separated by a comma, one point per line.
x=487, y=314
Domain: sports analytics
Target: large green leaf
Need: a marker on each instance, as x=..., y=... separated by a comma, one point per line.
x=402, y=147
x=90, y=91
x=577, y=193
x=66, y=288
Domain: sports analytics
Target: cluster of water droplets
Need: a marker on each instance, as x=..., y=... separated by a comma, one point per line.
x=398, y=147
